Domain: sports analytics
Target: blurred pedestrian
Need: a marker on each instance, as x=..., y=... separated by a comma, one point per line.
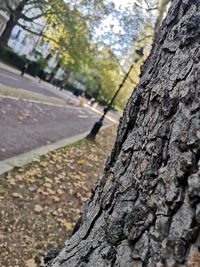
x=92, y=101
x=24, y=68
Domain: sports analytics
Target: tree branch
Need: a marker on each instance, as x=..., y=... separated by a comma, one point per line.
x=30, y=19
x=6, y=3
x=37, y=34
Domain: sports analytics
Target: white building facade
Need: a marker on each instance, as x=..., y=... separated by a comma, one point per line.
x=4, y=17
x=22, y=41
x=34, y=47
x=28, y=44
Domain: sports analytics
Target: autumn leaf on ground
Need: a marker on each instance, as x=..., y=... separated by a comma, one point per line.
x=17, y=195
x=48, y=180
x=78, y=196
x=55, y=199
x=43, y=192
x=60, y=191
x=11, y=181
x=66, y=224
x=47, y=185
x=60, y=203
x=38, y=208
x=30, y=263
x=81, y=161
x=44, y=164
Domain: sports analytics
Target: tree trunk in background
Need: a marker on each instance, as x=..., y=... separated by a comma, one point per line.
x=145, y=210
x=15, y=15
x=4, y=38
x=53, y=72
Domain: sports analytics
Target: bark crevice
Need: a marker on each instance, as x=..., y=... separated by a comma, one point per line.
x=145, y=210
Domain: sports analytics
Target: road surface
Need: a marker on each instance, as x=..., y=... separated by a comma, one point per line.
x=25, y=125
x=17, y=81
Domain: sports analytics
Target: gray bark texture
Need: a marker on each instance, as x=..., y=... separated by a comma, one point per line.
x=145, y=209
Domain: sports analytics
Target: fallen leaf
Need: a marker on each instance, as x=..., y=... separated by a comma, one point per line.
x=55, y=199
x=51, y=192
x=84, y=199
x=78, y=196
x=60, y=210
x=11, y=181
x=48, y=180
x=44, y=164
x=30, y=263
x=60, y=191
x=70, y=191
x=66, y=224
x=81, y=161
x=17, y=195
x=38, y=208
x=43, y=192
x=47, y=185
x=57, y=180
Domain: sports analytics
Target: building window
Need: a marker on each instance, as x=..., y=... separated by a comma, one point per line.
x=24, y=40
x=16, y=36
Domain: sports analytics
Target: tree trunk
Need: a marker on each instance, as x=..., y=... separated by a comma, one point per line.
x=145, y=210
x=162, y=10
x=53, y=72
x=15, y=15
x=4, y=38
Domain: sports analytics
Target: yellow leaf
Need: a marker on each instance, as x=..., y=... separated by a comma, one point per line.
x=81, y=161
x=66, y=224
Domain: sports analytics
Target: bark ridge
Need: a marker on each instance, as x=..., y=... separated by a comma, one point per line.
x=145, y=210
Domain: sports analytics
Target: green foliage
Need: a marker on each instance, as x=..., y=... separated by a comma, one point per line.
x=9, y=57
x=34, y=68
x=85, y=44
x=70, y=37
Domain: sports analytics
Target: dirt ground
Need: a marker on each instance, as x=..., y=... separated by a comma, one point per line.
x=40, y=203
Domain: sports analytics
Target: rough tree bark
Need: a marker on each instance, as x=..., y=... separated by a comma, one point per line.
x=4, y=38
x=145, y=210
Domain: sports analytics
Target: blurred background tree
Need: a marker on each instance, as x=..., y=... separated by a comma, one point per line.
x=95, y=41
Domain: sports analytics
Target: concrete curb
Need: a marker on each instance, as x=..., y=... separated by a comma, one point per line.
x=34, y=154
